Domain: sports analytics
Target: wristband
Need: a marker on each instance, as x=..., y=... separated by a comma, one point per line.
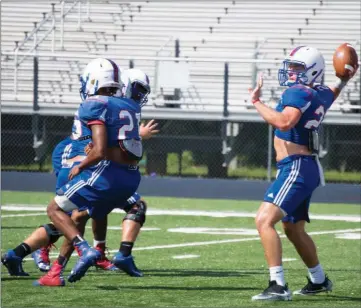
x=256, y=101
x=340, y=84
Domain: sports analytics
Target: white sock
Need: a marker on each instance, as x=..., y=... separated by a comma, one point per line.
x=95, y=242
x=276, y=274
x=317, y=274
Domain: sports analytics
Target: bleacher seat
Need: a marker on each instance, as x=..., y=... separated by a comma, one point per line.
x=224, y=30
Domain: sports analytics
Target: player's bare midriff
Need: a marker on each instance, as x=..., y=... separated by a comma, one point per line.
x=285, y=148
x=117, y=155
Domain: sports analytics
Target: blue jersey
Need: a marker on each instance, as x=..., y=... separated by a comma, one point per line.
x=120, y=115
x=313, y=103
x=60, y=154
x=81, y=136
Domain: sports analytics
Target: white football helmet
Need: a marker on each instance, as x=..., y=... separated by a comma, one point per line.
x=313, y=67
x=137, y=87
x=126, y=90
x=100, y=73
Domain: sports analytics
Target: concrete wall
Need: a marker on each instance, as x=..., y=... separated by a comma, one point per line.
x=189, y=187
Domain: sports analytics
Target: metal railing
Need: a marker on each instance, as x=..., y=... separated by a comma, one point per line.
x=36, y=41
x=63, y=15
x=75, y=55
x=11, y=103
x=33, y=35
x=156, y=67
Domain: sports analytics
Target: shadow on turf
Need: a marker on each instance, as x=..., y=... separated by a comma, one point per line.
x=202, y=273
x=215, y=288
x=16, y=278
x=329, y=297
x=348, y=298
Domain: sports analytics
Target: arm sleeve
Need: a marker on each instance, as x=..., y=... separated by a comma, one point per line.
x=92, y=112
x=297, y=97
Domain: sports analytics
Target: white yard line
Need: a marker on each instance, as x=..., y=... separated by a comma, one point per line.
x=24, y=207
x=288, y=259
x=156, y=212
x=192, y=244
x=120, y=228
x=348, y=218
x=23, y=215
x=186, y=257
x=349, y=236
x=237, y=240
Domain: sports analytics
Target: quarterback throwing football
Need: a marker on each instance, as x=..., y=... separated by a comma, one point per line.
x=296, y=120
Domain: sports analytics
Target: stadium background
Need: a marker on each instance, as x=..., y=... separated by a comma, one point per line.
x=201, y=58
x=198, y=247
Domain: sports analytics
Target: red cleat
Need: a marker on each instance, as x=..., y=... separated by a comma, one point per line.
x=104, y=263
x=54, y=278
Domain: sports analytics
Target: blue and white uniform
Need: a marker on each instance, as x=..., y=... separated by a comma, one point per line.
x=60, y=154
x=69, y=148
x=299, y=175
x=73, y=146
x=103, y=187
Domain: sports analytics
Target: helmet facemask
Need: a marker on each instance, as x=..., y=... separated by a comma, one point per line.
x=110, y=91
x=140, y=92
x=293, y=72
x=82, y=90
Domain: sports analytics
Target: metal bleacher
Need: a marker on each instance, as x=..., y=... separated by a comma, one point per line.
x=226, y=31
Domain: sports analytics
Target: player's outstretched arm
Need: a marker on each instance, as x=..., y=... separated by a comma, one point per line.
x=284, y=120
x=98, y=151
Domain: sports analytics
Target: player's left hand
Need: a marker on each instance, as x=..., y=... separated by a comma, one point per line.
x=149, y=130
x=256, y=92
x=74, y=172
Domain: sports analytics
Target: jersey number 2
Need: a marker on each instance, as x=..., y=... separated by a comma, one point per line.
x=77, y=131
x=125, y=114
x=320, y=111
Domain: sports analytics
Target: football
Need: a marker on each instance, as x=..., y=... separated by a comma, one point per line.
x=345, y=60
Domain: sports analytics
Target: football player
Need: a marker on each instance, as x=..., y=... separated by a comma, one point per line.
x=135, y=86
x=296, y=120
x=14, y=266
x=133, y=221
x=109, y=173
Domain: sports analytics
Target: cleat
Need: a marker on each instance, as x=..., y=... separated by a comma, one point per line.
x=13, y=263
x=104, y=263
x=274, y=292
x=77, y=251
x=89, y=256
x=126, y=264
x=313, y=288
x=41, y=258
x=54, y=278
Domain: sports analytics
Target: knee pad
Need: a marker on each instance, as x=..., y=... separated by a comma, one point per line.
x=137, y=212
x=52, y=232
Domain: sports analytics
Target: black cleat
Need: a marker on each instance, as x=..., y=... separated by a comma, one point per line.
x=274, y=292
x=313, y=288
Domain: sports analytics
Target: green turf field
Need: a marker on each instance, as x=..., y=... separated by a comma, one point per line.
x=219, y=264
